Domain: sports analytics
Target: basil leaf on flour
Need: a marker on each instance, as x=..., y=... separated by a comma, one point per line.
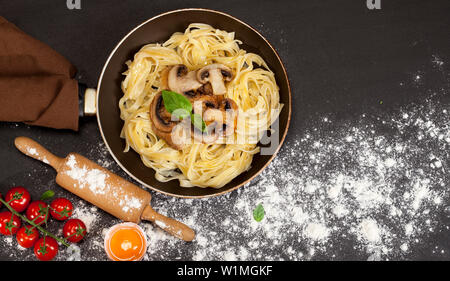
x=47, y=195
x=258, y=213
x=174, y=101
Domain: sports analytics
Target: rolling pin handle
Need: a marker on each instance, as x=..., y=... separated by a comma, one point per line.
x=33, y=149
x=172, y=226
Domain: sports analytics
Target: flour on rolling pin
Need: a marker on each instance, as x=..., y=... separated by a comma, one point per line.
x=33, y=151
x=95, y=180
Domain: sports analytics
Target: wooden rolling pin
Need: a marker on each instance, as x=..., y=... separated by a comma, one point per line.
x=104, y=189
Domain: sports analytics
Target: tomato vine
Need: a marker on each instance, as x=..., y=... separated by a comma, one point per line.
x=38, y=226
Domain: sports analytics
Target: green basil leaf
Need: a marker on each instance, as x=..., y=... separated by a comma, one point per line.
x=198, y=122
x=47, y=195
x=180, y=107
x=180, y=113
x=174, y=101
x=258, y=213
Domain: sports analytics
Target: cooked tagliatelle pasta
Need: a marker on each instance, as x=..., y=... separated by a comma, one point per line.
x=253, y=88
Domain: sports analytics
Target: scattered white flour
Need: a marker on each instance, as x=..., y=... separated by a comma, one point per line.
x=370, y=231
x=409, y=229
x=95, y=179
x=389, y=162
x=437, y=61
x=86, y=213
x=32, y=151
x=229, y=256
x=128, y=203
x=316, y=231
x=8, y=240
x=160, y=224
x=404, y=247
x=73, y=253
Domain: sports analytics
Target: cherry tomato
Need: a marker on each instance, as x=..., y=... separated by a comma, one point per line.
x=27, y=236
x=46, y=248
x=9, y=223
x=61, y=209
x=20, y=198
x=37, y=211
x=74, y=230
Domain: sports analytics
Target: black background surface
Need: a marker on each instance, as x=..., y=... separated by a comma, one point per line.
x=341, y=58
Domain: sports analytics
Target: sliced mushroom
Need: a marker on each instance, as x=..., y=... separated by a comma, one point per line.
x=161, y=119
x=225, y=116
x=206, y=89
x=171, y=131
x=180, y=80
x=231, y=114
x=217, y=109
x=215, y=74
x=178, y=138
x=201, y=103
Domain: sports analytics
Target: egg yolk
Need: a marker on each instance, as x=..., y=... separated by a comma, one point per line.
x=126, y=244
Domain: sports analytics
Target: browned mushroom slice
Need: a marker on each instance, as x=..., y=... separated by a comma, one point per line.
x=201, y=103
x=173, y=132
x=180, y=80
x=159, y=116
x=206, y=89
x=225, y=116
x=215, y=74
x=231, y=114
x=178, y=138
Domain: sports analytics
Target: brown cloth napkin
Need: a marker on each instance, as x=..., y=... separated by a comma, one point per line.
x=36, y=83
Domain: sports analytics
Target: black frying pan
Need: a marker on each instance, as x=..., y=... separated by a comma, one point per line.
x=159, y=29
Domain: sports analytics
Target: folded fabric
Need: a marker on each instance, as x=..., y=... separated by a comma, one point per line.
x=36, y=82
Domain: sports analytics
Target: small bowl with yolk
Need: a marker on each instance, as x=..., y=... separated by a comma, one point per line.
x=125, y=242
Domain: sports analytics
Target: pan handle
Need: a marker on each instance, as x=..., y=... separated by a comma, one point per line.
x=87, y=101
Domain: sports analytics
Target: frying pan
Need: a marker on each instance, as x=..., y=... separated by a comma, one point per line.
x=159, y=29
